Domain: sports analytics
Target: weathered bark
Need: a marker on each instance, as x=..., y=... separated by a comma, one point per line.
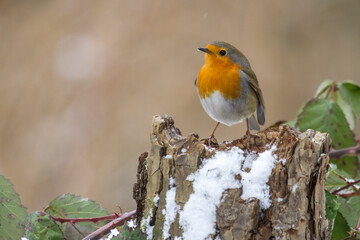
x=297, y=192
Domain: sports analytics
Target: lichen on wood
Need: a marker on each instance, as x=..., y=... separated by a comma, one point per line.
x=297, y=194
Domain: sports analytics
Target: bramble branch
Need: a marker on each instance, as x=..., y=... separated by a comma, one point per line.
x=114, y=223
x=94, y=220
x=348, y=194
x=341, y=152
x=347, y=186
x=347, y=182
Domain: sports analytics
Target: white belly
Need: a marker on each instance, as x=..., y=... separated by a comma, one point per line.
x=229, y=112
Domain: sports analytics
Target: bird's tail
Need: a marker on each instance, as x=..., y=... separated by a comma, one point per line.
x=253, y=124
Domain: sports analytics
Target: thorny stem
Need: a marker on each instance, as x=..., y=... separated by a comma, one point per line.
x=106, y=228
x=340, y=152
x=347, y=182
x=94, y=220
x=347, y=186
x=348, y=194
x=59, y=212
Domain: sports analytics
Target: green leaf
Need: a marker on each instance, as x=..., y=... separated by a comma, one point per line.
x=333, y=181
x=326, y=116
x=332, y=206
x=351, y=93
x=347, y=110
x=341, y=228
x=348, y=212
x=326, y=83
x=12, y=212
x=349, y=164
x=355, y=203
x=130, y=233
x=41, y=226
x=71, y=206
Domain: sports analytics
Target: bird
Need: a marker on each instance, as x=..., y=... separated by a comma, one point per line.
x=228, y=88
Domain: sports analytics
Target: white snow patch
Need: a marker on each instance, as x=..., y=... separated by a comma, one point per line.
x=280, y=199
x=145, y=227
x=168, y=156
x=349, y=180
x=24, y=238
x=113, y=233
x=321, y=156
x=208, y=148
x=318, y=139
x=131, y=224
x=172, y=181
x=276, y=227
x=294, y=187
x=171, y=208
x=156, y=200
x=198, y=217
x=283, y=161
x=254, y=182
x=145, y=222
x=346, y=191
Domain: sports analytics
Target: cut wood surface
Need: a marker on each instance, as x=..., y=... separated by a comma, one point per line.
x=295, y=205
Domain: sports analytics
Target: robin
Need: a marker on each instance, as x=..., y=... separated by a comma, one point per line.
x=228, y=88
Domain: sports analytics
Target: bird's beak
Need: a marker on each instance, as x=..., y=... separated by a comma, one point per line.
x=205, y=50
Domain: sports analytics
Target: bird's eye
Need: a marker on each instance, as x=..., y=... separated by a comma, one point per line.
x=222, y=52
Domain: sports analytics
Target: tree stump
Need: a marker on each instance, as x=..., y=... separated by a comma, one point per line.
x=268, y=186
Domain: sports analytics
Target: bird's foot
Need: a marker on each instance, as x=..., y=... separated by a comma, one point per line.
x=210, y=142
x=248, y=136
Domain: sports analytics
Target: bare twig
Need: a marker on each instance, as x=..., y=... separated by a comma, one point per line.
x=62, y=214
x=348, y=194
x=347, y=181
x=106, y=228
x=341, y=152
x=347, y=186
x=94, y=220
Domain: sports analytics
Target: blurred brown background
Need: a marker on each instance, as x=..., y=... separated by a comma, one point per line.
x=81, y=80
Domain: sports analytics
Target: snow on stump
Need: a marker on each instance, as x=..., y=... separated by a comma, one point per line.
x=269, y=188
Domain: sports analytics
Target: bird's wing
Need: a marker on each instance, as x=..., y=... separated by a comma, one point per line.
x=254, y=84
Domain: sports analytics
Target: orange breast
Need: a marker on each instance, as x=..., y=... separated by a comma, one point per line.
x=222, y=76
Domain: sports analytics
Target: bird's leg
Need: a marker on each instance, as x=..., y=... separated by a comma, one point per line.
x=247, y=128
x=212, y=134
x=248, y=134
